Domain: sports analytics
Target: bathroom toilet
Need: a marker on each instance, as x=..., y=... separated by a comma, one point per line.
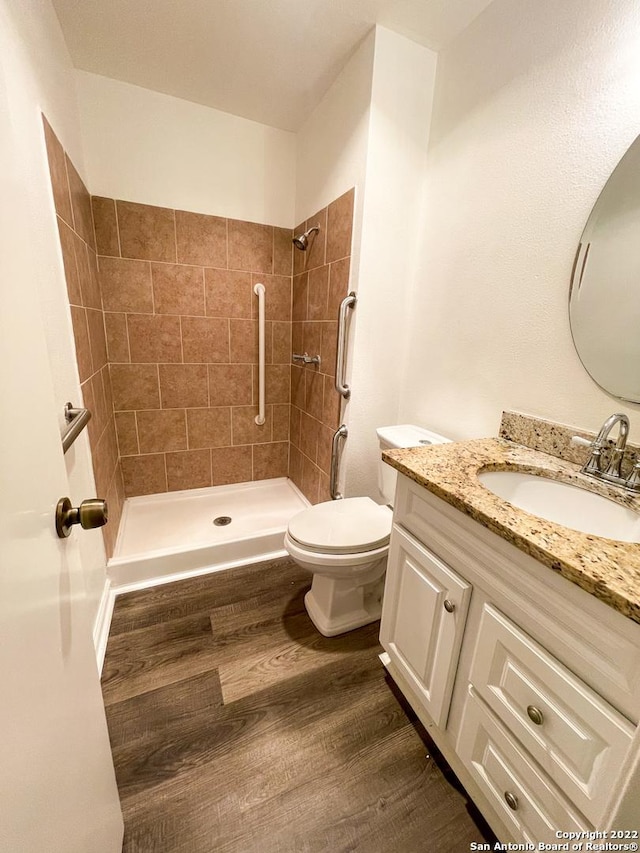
x=345, y=543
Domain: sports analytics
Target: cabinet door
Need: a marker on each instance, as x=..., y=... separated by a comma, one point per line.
x=424, y=612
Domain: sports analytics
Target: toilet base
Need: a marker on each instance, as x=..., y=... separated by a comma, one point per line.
x=337, y=606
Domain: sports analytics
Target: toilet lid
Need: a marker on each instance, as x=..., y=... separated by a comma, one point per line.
x=342, y=527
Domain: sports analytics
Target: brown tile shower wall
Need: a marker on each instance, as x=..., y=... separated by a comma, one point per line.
x=320, y=283
x=77, y=241
x=182, y=343
x=165, y=326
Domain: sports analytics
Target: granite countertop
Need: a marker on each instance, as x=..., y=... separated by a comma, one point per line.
x=607, y=569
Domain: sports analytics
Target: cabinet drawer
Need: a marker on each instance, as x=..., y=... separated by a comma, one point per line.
x=577, y=738
x=505, y=773
x=424, y=612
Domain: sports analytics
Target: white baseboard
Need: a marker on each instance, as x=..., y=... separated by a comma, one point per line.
x=102, y=622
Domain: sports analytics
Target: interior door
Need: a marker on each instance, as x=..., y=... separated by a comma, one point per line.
x=57, y=784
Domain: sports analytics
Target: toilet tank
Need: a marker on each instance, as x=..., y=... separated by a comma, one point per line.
x=402, y=435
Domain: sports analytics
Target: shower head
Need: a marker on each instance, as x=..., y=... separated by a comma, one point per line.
x=302, y=240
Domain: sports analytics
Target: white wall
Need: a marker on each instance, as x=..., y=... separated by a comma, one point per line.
x=401, y=102
x=369, y=131
x=332, y=143
x=536, y=103
x=147, y=147
x=37, y=63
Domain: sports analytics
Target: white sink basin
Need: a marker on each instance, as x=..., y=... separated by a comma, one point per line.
x=564, y=504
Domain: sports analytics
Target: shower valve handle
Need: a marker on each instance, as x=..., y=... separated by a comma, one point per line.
x=305, y=358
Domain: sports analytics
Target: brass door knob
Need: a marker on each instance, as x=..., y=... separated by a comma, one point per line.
x=449, y=606
x=90, y=514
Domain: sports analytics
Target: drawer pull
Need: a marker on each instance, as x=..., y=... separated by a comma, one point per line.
x=449, y=606
x=512, y=800
x=535, y=715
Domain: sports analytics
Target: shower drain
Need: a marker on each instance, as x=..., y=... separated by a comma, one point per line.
x=222, y=520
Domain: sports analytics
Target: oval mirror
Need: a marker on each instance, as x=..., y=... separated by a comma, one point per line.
x=604, y=298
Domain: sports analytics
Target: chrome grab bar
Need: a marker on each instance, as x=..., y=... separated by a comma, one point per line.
x=341, y=432
x=341, y=386
x=77, y=420
x=260, y=293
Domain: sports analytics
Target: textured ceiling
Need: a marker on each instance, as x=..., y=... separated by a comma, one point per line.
x=267, y=60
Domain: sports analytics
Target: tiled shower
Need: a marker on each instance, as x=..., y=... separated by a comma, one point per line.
x=166, y=334
x=320, y=282
x=181, y=333
x=77, y=242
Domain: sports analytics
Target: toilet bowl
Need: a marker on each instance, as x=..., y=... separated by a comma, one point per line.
x=345, y=544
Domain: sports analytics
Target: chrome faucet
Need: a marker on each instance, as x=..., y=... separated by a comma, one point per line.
x=613, y=471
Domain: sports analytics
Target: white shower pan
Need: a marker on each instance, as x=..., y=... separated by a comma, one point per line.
x=170, y=536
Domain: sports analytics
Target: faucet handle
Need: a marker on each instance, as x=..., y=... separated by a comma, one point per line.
x=593, y=465
x=614, y=466
x=633, y=480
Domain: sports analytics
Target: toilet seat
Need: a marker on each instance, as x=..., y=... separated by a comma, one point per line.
x=335, y=565
x=350, y=526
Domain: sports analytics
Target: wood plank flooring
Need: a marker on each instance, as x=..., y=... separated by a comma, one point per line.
x=237, y=728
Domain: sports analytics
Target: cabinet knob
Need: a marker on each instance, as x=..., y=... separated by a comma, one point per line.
x=449, y=606
x=535, y=715
x=512, y=800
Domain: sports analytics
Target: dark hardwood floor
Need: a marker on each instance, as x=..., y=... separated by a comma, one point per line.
x=237, y=728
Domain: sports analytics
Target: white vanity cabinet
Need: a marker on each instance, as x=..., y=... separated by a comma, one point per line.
x=528, y=685
x=424, y=613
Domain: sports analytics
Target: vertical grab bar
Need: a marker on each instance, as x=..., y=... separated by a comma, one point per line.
x=258, y=289
x=341, y=432
x=341, y=386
